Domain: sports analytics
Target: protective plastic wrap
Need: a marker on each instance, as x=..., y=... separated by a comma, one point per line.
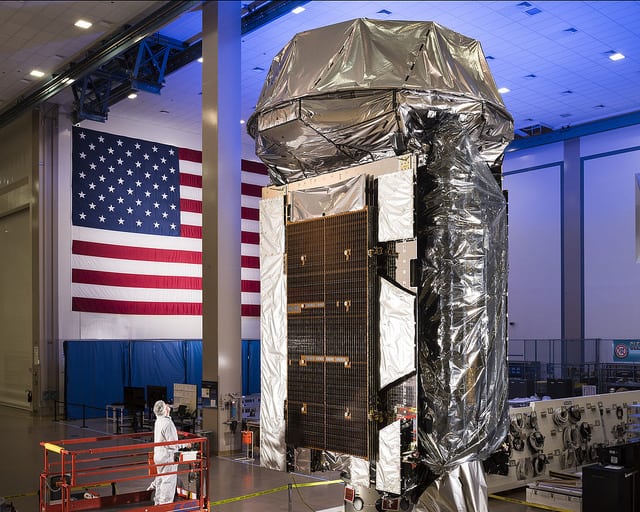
x=464, y=489
x=389, y=459
x=273, y=333
x=462, y=251
x=395, y=206
x=359, y=471
x=397, y=333
x=357, y=91
x=346, y=196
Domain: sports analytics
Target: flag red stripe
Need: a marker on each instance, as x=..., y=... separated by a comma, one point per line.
x=250, y=262
x=135, y=280
x=250, y=286
x=134, y=253
x=249, y=189
x=250, y=213
x=190, y=205
x=123, y=307
x=250, y=310
x=254, y=167
x=191, y=155
x=249, y=237
x=190, y=180
x=190, y=231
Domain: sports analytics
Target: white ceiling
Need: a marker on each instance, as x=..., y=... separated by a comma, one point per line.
x=555, y=61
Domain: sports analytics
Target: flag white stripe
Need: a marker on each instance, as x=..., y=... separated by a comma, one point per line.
x=253, y=178
x=121, y=293
x=250, y=225
x=136, y=240
x=250, y=274
x=250, y=297
x=147, y=268
x=191, y=219
x=192, y=193
x=250, y=250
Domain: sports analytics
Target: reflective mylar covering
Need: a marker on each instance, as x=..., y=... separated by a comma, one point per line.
x=388, y=476
x=397, y=333
x=345, y=196
x=273, y=335
x=464, y=489
x=461, y=221
x=361, y=90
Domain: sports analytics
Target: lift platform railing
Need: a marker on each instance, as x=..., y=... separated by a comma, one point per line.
x=114, y=472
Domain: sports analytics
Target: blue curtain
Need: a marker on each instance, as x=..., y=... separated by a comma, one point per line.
x=95, y=375
x=96, y=372
x=250, y=367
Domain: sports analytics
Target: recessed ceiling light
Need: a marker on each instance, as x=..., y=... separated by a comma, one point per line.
x=164, y=111
x=616, y=55
x=570, y=30
x=200, y=59
x=531, y=75
x=524, y=4
x=132, y=95
x=298, y=10
x=384, y=11
x=37, y=73
x=83, y=24
x=504, y=90
x=565, y=115
x=533, y=11
x=567, y=92
x=599, y=106
x=258, y=68
x=490, y=57
x=241, y=121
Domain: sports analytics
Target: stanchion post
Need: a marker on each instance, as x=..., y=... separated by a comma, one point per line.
x=289, y=487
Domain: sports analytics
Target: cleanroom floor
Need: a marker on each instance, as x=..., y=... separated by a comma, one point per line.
x=229, y=478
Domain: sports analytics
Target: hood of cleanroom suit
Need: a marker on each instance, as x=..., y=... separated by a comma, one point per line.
x=335, y=96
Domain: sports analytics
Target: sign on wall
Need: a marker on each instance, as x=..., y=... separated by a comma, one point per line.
x=626, y=351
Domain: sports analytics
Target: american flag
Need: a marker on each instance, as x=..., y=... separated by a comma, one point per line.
x=137, y=227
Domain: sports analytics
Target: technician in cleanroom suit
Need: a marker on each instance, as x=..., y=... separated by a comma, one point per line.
x=164, y=430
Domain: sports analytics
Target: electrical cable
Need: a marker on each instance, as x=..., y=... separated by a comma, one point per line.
x=574, y=414
x=560, y=416
x=536, y=441
x=539, y=462
x=518, y=444
x=585, y=431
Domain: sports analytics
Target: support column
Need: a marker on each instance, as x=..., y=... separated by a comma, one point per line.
x=221, y=333
x=572, y=285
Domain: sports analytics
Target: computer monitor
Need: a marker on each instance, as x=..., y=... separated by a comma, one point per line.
x=134, y=398
x=155, y=393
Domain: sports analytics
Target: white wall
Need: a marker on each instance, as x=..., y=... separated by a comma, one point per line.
x=610, y=163
x=533, y=181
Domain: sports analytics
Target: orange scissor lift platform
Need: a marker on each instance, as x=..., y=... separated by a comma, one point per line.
x=114, y=473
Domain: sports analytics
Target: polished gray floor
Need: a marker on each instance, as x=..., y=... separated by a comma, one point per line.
x=22, y=456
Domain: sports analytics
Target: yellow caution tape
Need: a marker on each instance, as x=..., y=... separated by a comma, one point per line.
x=276, y=489
x=220, y=502
x=529, y=504
x=13, y=496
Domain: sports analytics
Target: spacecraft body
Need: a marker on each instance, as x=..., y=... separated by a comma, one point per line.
x=383, y=246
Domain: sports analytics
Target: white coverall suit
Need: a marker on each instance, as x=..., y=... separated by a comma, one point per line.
x=165, y=485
